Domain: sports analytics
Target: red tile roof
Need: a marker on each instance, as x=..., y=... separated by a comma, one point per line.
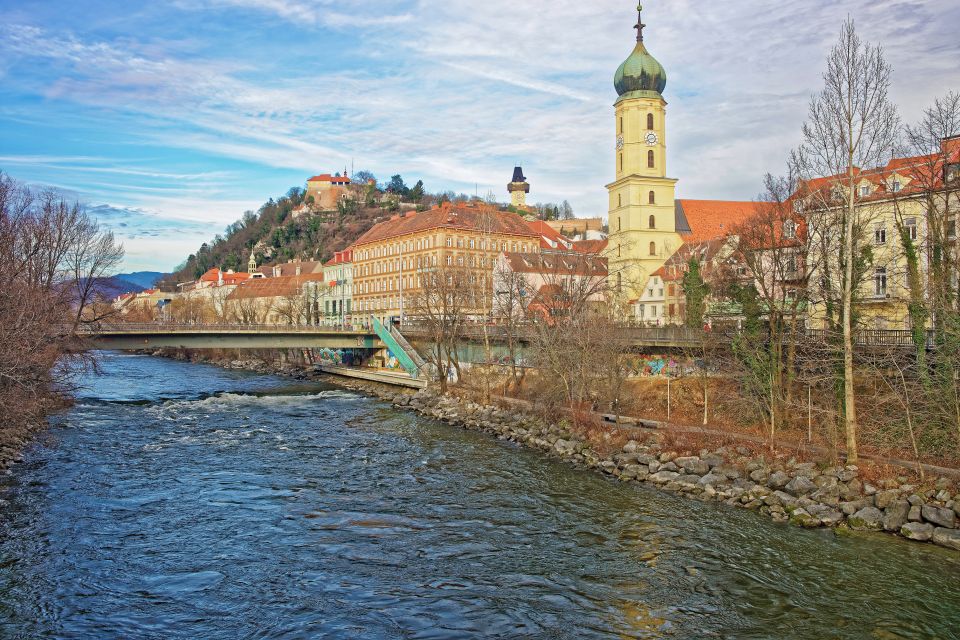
x=214, y=275
x=557, y=263
x=326, y=177
x=708, y=219
x=591, y=246
x=341, y=257
x=459, y=217
x=550, y=238
x=282, y=286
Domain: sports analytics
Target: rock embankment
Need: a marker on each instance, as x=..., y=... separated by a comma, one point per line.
x=802, y=493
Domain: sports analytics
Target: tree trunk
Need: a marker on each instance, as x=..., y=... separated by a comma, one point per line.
x=849, y=395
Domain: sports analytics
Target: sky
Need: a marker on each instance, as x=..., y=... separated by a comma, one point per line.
x=169, y=119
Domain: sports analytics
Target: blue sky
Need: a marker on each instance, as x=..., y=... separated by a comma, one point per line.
x=171, y=118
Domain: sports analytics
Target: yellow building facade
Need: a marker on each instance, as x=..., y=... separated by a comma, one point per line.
x=642, y=223
x=389, y=260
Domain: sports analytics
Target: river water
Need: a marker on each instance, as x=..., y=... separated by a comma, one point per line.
x=182, y=501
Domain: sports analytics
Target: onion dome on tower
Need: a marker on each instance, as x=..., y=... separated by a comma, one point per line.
x=640, y=75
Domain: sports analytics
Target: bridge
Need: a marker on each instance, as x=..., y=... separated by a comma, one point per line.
x=131, y=337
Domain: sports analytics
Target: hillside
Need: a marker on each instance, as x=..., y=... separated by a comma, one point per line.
x=290, y=227
x=285, y=229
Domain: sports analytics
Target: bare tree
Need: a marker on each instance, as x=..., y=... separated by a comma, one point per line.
x=851, y=125
x=442, y=305
x=53, y=259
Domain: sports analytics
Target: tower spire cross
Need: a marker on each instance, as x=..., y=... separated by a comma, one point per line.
x=639, y=26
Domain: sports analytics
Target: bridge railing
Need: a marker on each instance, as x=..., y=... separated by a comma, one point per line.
x=161, y=327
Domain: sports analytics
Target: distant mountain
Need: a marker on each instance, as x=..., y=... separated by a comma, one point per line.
x=112, y=287
x=142, y=279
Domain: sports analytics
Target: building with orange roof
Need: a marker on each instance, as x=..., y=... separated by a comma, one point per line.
x=389, y=259
x=324, y=191
x=550, y=238
x=913, y=197
x=284, y=300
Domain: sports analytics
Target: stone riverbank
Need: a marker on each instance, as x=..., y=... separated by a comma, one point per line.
x=803, y=494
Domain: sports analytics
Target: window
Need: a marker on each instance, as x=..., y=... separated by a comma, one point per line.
x=619, y=224
x=460, y=243
x=880, y=282
x=880, y=235
x=449, y=261
x=621, y=125
x=449, y=242
x=653, y=248
x=895, y=186
x=649, y=121
x=789, y=229
x=619, y=200
x=951, y=229
x=619, y=282
x=650, y=162
x=619, y=255
x=672, y=289
x=864, y=191
x=643, y=310
x=911, y=224
x=621, y=161
x=652, y=223
x=672, y=310
x=652, y=197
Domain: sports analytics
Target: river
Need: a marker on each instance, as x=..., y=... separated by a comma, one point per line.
x=179, y=500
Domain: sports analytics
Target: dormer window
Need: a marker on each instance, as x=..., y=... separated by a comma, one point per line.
x=864, y=191
x=789, y=229
x=895, y=186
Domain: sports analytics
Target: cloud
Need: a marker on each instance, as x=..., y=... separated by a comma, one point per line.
x=305, y=13
x=454, y=92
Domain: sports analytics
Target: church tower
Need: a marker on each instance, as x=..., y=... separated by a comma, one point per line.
x=641, y=214
x=252, y=262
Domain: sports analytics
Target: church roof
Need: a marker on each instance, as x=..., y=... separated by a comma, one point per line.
x=454, y=217
x=702, y=220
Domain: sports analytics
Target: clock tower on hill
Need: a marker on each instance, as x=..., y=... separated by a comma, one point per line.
x=641, y=214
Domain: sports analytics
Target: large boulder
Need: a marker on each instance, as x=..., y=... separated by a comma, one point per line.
x=895, y=515
x=921, y=532
x=941, y=517
x=800, y=486
x=884, y=499
x=828, y=517
x=949, y=538
x=778, y=480
x=693, y=465
x=663, y=477
x=867, y=519
x=801, y=518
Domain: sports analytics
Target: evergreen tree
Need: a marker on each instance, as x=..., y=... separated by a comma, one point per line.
x=696, y=291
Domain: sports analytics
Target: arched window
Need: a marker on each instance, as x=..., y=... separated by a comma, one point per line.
x=619, y=282
x=621, y=125
x=619, y=199
x=652, y=197
x=653, y=248
x=621, y=162
x=649, y=159
x=653, y=223
x=649, y=121
x=619, y=224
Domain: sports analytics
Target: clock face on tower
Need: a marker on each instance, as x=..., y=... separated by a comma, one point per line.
x=652, y=139
x=619, y=142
